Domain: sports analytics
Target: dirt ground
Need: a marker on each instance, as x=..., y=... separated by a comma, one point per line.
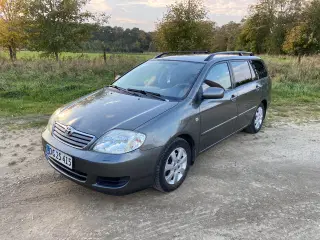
x=264, y=186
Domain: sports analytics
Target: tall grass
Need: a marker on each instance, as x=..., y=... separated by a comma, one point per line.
x=38, y=86
x=298, y=82
x=296, y=86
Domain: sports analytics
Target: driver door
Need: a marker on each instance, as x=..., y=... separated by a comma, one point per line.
x=218, y=116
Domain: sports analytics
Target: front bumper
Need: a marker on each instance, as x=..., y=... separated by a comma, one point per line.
x=108, y=173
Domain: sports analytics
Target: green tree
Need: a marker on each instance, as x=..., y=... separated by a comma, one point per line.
x=268, y=23
x=226, y=37
x=12, y=25
x=117, y=39
x=312, y=18
x=185, y=26
x=58, y=25
x=299, y=40
x=101, y=30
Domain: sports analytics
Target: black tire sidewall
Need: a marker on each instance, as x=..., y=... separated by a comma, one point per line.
x=176, y=144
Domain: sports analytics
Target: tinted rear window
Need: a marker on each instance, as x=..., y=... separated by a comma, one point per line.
x=241, y=71
x=259, y=67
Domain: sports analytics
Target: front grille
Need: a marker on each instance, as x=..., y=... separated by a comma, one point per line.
x=79, y=176
x=71, y=136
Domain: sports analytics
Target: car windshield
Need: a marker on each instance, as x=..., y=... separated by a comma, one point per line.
x=170, y=79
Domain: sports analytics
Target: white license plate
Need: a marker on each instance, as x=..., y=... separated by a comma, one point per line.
x=60, y=157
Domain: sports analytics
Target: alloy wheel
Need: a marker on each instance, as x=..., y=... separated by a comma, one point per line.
x=258, y=118
x=176, y=166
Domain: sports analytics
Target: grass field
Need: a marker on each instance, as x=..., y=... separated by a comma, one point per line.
x=296, y=87
x=66, y=56
x=35, y=85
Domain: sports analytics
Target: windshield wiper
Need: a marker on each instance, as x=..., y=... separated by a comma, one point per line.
x=122, y=89
x=150, y=94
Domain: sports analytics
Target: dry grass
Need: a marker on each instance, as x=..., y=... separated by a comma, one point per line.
x=296, y=88
x=38, y=86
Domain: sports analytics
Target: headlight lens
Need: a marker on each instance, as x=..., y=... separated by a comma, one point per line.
x=52, y=119
x=119, y=142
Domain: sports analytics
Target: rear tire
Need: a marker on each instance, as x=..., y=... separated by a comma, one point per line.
x=173, y=166
x=257, y=121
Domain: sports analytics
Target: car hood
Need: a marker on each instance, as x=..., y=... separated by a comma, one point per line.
x=108, y=109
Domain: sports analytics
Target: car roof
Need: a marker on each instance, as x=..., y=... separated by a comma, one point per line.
x=201, y=58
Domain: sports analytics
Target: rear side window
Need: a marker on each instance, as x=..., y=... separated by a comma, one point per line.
x=254, y=73
x=259, y=67
x=241, y=71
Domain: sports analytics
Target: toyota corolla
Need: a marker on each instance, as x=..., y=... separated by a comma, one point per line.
x=149, y=126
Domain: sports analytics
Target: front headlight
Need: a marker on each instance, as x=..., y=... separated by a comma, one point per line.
x=52, y=119
x=119, y=142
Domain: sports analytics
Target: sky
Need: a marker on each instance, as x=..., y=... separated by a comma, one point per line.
x=145, y=13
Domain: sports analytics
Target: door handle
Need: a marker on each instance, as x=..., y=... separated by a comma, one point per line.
x=233, y=98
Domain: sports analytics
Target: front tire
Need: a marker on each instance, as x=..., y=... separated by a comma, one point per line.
x=257, y=121
x=173, y=166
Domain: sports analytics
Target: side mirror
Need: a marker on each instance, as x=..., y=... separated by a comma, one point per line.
x=213, y=93
x=117, y=77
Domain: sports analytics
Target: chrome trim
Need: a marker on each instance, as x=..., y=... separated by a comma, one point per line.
x=209, y=130
x=64, y=173
x=218, y=125
x=75, y=131
x=247, y=111
x=223, y=139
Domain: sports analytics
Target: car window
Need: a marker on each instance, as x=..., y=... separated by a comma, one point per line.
x=220, y=74
x=259, y=68
x=241, y=71
x=172, y=79
x=254, y=73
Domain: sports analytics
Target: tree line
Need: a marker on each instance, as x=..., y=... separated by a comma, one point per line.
x=53, y=26
x=117, y=39
x=271, y=26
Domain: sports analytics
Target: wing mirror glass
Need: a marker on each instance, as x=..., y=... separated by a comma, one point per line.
x=213, y=93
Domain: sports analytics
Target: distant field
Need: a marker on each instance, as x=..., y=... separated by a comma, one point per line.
x=35, y=85
x=28, y=55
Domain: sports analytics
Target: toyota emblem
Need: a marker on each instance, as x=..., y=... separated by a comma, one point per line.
x=69, y=131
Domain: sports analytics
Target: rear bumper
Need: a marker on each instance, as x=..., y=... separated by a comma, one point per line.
x=108, y=173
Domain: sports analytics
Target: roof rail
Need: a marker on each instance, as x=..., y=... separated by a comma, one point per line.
x=182, y=52
x=239, y=53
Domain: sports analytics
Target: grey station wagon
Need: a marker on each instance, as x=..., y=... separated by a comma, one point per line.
x=148, y=127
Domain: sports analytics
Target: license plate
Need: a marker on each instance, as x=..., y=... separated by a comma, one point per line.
x=60, y=157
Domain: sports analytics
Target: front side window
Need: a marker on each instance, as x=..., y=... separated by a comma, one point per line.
x=241, y=71
x=172, y=79
x=220, y=75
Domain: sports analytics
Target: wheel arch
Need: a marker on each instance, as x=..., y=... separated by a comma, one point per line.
x=191, y=143
x=265, y=104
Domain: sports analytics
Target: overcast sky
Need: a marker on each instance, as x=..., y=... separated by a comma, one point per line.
x=144, y=13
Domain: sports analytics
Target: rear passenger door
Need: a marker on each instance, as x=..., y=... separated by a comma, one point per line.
x=248, y=91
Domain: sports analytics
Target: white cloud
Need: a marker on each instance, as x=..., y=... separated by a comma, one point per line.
x=149, y=3
x=230, y=8
x=98, y=6
x=125, y=10
x=226, y=7
x=129, y=20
